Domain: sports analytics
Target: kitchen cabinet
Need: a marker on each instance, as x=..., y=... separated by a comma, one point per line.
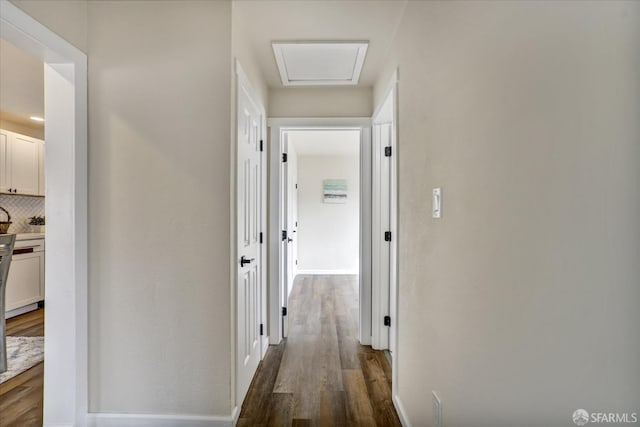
x=25, y=283
x=21, y=164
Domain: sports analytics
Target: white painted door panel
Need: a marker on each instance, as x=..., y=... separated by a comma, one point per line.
x=284, y=191
x=381, y=224
x=249, y=223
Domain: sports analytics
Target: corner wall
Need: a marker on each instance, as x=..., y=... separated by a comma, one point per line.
x=519, y=306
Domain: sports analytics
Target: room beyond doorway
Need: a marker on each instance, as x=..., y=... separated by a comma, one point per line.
x=323, y=201
x=334, y=179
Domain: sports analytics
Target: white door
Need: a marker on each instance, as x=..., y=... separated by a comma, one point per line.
x=382, y=235
x=284, y=243
x=249, y=224
x=24, y=167
x=292, y=215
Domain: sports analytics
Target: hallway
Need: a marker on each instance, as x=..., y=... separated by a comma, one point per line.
x=320, y=375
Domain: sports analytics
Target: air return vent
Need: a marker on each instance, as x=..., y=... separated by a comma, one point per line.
x=319, y=63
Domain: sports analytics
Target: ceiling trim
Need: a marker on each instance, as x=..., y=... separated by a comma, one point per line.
x=279, y=48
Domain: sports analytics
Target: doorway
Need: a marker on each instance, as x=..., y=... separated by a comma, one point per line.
x=320, y=205
x=278, y=223
x=65, y=74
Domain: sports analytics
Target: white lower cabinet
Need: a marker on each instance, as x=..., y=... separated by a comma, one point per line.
x=25, y=283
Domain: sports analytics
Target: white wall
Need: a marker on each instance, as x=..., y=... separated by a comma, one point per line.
x=159, y=150
x=520, y=304
x=327, y=233
x=321, y=102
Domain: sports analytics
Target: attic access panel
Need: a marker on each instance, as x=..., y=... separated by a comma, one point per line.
x=319, y=63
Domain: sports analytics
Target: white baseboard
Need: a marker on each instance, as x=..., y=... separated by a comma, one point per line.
x=328, y=272
x=402, y=414
x=21, y=310
x=159, y=420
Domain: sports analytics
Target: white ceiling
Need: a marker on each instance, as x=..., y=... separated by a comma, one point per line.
x=21, y=85
x=320, y=20
x=325, y=142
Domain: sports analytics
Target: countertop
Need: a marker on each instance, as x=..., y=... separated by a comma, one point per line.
x=29, y=236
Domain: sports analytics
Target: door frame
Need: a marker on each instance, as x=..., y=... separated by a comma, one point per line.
x=66, y=318
x=243, y=80
x=276, y=277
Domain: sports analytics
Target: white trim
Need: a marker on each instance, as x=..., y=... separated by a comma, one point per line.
x=278, y=125
x=21, y=310
x=65, y=382
x=161, y=420
x=303, y=123
x=402, y=413
x=327, y=272
x=366, y=266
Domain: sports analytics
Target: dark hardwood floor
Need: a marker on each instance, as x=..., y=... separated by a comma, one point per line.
x=321, y=375
x=21, y=396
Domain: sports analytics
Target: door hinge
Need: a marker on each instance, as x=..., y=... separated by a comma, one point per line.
x=261, y=146
x=296, y=262
x=284, y=235
x=387, y=320
x=261, y=329
x=387, y=151
x=387, y=236
x=284, y=157
x=261, y=237
x=284, y=311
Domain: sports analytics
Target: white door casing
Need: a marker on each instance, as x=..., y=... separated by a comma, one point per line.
x=384, y=218
x=277, y=277
x=66, y=320
x=249, y=226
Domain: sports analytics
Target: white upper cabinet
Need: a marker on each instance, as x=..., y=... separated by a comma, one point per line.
x=21, y=158
x=4, y=175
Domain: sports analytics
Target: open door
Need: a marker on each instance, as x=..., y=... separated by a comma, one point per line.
x=284, y=239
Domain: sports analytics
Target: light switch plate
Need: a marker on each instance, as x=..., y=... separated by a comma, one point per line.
x=436, y=203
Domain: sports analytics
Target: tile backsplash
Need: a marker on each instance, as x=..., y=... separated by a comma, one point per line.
x=21, y=208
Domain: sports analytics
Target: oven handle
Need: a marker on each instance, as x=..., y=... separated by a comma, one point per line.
x=21, y=251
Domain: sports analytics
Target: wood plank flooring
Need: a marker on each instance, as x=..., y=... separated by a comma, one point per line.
x=21, y=396
x=320, y=375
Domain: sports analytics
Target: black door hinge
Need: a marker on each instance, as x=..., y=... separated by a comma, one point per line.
x=284, y=157
x=261, y=237
x=284, y=311
x=296, y=262
x=261, y=146
x=261, y=329
x=387, y=320
x=296, y=185
x=284, y=235
x=387, y=236
x=387, y=151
